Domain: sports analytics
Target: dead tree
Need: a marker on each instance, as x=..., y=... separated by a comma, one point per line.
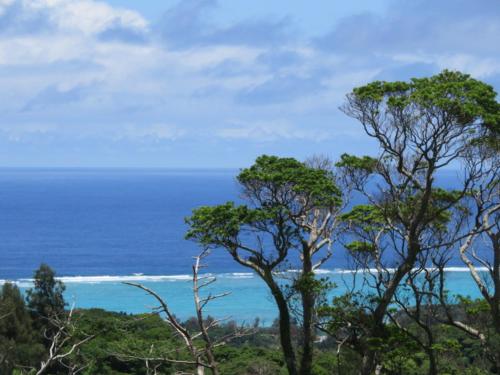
x=200, y=345
x=63, y=343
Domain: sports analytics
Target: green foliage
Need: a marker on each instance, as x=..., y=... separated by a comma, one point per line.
x=221, y=224
x=246, y=360
x=122, y=339
x=437, y=215
x=461, y=100
x=376, y=91
x=464, y=99
x=371, y=218
x=368, y=216
x=276, y=176
x=364, y=163
x=397, y=352
x=280, y=190
x=16, y=321
x=18, y=341
x=309, y=282
x=345, y=313
x=473, y=307
x=360, y=247
x=46, y=298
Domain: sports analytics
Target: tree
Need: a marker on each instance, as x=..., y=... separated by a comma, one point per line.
x=480, y=245
x=46, y=299
x=202, y=356
x=62, y=344
x=290, y=216
x=57, y=328
x=422, y=127
x=17, y=341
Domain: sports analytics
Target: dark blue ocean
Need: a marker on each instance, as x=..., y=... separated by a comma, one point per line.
x=105, y=222
x=97, y=228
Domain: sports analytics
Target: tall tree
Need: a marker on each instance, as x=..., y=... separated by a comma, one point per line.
x=45, y=299
x=480, y=247
x=290, y=216
x=422, y=127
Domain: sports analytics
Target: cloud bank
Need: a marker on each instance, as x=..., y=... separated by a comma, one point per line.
x=87, y=83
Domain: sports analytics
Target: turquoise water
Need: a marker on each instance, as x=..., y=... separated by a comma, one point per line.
x=249, y=297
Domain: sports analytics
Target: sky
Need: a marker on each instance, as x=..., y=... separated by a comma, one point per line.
x=215, y=83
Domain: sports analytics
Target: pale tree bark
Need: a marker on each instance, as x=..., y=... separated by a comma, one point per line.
x=319, y=226
x=62, y=344
x=202, y=355
x=484, y=232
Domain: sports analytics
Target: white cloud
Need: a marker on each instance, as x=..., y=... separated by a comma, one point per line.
x=85, y=16
x=20, y=132
x=90, y=71
x=156, y=132
x=4, y=4
x=271, y=131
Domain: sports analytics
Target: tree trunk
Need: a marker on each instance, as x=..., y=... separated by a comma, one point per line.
x=284, y=324
x=494, y=300
x=433, y=369
x=308, y=318
x=368, y=363
x=495, y=305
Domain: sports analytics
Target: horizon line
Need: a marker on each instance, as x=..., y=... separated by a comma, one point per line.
x=113, y=167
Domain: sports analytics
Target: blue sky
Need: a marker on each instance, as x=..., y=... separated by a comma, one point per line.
x=215, y=83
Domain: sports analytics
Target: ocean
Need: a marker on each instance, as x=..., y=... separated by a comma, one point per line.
x=100, y=227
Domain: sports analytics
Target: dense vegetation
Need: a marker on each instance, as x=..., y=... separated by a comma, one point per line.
x=399, y=240
x=122, y=341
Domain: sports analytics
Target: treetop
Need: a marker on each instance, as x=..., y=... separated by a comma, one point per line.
x=275, y=175
x=466, y=99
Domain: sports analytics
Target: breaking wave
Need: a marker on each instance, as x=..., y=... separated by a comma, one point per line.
x=138, y=277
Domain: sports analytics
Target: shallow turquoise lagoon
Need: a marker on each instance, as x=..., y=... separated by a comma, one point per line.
x=248, y=300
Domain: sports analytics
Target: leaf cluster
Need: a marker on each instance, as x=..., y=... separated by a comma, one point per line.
x=464, y=99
